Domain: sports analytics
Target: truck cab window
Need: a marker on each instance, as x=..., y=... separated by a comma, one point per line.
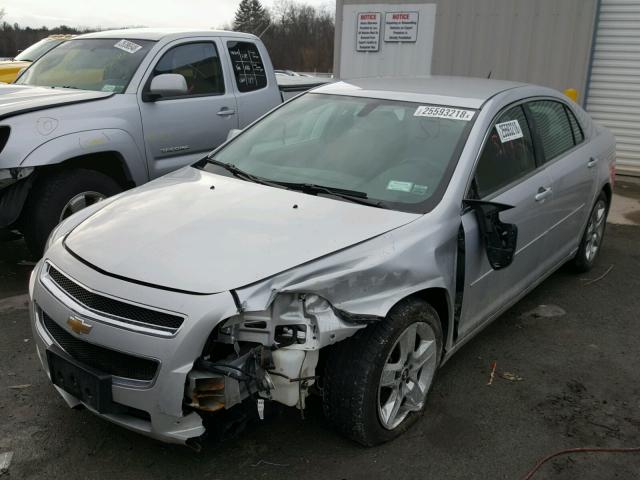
x=247, y=66
x=198, y=63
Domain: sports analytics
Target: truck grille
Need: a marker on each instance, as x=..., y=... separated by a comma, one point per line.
x=100, y=358
x=125, y=312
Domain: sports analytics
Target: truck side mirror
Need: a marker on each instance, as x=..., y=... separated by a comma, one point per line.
x=166, y=85
x=499, y=238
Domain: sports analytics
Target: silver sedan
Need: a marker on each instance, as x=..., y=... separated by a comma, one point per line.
x=352, y=240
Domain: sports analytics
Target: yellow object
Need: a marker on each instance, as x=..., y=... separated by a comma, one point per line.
x=9, y=69
x=572, y=93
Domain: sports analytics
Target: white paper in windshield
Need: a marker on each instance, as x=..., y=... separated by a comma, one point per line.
x=128, y=46
x=509, y=131
x=444, y=112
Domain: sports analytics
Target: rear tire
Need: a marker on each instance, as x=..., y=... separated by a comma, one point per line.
x=364, y=372
x=58, y=195
x=591, y=241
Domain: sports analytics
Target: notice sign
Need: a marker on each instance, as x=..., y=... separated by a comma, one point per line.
x=368, y=32
x=401, y=27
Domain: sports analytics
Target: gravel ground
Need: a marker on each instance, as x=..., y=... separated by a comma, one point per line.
x=571, y=347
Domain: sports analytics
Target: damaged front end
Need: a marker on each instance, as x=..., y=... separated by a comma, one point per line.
x=270, y=354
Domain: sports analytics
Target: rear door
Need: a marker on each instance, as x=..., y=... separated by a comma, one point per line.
x=571, y=168
x=179, y=130
x=253, y=79
x=507, y=172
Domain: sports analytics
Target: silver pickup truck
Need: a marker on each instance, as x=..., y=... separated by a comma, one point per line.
x=112, y=110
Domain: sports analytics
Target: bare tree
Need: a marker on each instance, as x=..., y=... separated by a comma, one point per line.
x=300, y=37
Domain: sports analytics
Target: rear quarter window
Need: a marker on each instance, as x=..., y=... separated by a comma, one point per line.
x=247, y=66
x=578, y=134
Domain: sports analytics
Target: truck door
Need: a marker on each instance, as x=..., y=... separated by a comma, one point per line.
x=179, y=130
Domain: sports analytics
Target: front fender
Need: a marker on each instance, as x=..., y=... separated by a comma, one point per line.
x=77, y=144
x=369, y=278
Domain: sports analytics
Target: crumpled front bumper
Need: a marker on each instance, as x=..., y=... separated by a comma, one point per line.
x=154, y=408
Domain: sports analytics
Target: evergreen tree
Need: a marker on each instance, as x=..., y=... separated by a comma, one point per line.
x=251, y=17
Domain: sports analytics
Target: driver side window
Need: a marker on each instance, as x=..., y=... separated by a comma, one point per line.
x=507, y=155
x=198, y=63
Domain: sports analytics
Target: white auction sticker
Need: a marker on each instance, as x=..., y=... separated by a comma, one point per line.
x=509, y=131
x=128, y=46
x=399, y=186
x=444, y=112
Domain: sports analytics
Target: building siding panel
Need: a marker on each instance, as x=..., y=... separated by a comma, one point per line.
x=614, y=90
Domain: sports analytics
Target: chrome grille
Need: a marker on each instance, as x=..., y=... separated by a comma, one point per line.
x=125, y=312
x=102, y=359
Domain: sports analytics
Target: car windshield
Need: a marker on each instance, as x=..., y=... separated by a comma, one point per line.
x=398, y=154
x=36, y=50
x=105, y=65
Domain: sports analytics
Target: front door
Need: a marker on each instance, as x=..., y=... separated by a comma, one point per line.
x=508, y=173
x=180, y=130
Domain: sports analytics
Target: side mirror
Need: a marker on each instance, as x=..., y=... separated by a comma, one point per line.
x=167, y=85
x=500, y=238
x=233, y=133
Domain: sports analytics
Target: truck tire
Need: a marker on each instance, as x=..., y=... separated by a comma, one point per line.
x=376, y=382
x=591, y=241
x=56, y=196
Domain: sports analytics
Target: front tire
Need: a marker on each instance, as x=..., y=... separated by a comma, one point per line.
x=593, y=235
x=376, y=382
x=57, y=196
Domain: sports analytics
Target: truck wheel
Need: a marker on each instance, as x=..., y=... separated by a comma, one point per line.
x=59, y=195
x=592, y=237
x=376, y=382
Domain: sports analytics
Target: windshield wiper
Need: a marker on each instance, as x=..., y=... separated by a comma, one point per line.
x=350, y=195
x=239, y=173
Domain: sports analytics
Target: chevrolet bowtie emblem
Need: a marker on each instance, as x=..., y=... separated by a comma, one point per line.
x=78, y=325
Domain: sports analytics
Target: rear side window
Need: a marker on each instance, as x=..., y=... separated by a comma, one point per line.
x=198, y=63
x=507, y=154
x=578, y=135
x=247, y=66
x=552, y=124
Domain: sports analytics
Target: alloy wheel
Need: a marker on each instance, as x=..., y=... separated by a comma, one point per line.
x=595, y=230
x=407, y=374
x=80, y=201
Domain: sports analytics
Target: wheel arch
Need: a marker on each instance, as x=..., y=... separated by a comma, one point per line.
x=111, y=151
x=110, y=163
x=608, y=191
x=440, y=300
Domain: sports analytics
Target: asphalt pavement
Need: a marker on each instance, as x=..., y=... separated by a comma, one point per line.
x=567, y=376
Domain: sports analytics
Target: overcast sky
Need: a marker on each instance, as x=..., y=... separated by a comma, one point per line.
x=118, y=13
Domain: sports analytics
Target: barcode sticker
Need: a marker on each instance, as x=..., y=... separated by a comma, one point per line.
x=128, y=46
x=444, y=112
x=509, y=131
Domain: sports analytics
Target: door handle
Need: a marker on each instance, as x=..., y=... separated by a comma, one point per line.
x=225, y=112
x=543, y=192
x=592, y=162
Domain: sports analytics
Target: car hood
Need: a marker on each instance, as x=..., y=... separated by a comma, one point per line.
x=203, y=233
x=15, y=99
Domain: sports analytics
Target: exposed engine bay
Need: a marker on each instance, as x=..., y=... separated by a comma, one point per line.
x=271, y=354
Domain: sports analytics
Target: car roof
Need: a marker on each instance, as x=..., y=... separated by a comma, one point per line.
x=466, y=92
x=157, y=34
